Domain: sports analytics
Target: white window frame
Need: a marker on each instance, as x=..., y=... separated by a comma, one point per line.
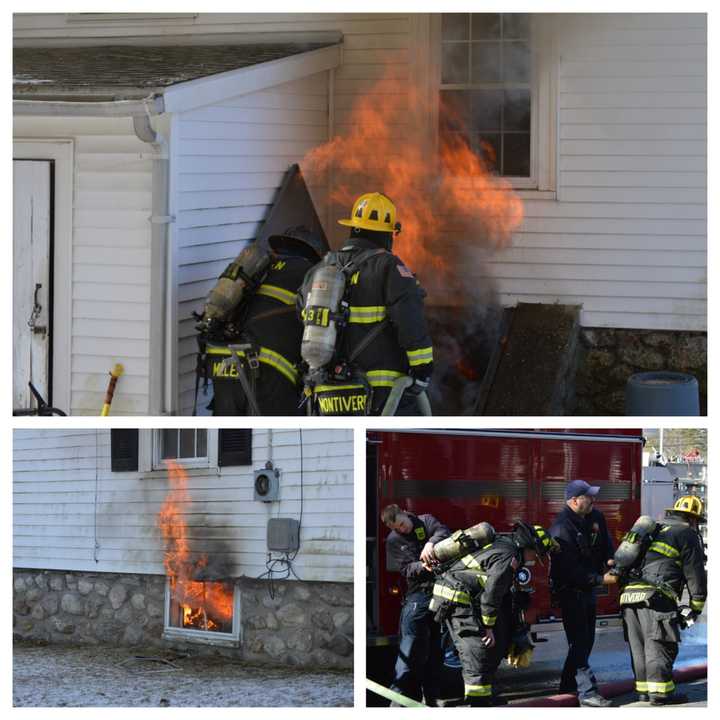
x=543, y=102
x=207, y=637
x=149, y=451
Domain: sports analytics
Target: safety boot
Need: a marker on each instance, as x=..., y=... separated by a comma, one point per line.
x=594, y=700
x=671, y=699
x=643, y=697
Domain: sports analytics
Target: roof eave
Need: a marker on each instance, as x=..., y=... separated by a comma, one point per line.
x=215, y=88
x=150, y=105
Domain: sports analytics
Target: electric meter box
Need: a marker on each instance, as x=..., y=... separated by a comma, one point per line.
x=283, y=535
x=267, y=485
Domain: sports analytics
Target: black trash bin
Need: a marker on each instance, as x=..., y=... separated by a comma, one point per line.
x=662, y=393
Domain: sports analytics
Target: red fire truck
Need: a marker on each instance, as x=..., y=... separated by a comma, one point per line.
x=500, y=476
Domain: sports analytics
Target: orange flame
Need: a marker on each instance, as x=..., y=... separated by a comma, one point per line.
x=381, y=150
x=203, y=604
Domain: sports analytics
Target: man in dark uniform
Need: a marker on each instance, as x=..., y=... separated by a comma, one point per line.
x=581, y=566
x=268, y=323
x=409, y=548
x=385, y=304
x=474, y=597
x=674, y=558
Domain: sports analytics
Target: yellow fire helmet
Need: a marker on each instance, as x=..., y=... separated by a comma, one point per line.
x=372, y=211
x=690, y=505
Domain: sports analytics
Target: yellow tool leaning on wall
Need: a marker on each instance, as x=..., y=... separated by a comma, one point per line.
x=115, y=373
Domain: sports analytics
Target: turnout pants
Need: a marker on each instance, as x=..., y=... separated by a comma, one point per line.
x=273, y=392
x=419, y=661
x=579, y=610
x=653, y=635
x=479, y=663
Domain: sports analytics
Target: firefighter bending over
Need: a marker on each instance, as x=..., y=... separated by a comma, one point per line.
x=649, y=601
x=250, y=328
x=474, y=597
x=410, y=548
x=365, y=330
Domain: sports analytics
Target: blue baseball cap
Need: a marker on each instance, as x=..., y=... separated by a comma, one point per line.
x=576, y=488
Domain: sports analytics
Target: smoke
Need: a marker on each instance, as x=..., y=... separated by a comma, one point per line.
x=455, y=213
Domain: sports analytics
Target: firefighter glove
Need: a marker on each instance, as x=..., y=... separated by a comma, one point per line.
x=421, y=378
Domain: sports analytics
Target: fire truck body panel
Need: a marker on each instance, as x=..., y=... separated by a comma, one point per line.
x=503, y=476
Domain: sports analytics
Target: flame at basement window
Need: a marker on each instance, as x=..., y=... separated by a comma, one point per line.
x=203, y=605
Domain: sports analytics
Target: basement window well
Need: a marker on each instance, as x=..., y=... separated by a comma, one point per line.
x=202, y=612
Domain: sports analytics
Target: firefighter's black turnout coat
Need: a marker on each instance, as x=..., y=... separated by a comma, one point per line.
x=267, y=320
x=383, y=289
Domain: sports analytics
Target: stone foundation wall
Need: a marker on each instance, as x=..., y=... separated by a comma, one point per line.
x=304, y=625
x=610, y=356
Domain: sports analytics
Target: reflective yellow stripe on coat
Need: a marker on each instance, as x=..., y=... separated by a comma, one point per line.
x=265, y=355
x=421, y=356
x=277, y=293
x=365, y=314
x=478, y=690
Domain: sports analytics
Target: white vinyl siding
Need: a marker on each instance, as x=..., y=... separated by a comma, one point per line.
x=66, y=499
x=229, y=160
x=627, y=237
x=110, y=258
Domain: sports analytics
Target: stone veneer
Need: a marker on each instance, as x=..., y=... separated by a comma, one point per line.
x=305, y=624
x=610, y=356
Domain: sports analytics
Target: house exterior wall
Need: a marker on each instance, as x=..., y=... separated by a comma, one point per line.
x=71, y=512
x=110, y=317
x=619, y=226
x=228, y=161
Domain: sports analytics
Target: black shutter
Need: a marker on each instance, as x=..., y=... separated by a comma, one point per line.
x=124, y=450
x=235, y=447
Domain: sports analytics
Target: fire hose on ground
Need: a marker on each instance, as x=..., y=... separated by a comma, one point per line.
x=391, y=695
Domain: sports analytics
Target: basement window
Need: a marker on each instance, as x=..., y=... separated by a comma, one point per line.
x=486, y=89
x=206, y=612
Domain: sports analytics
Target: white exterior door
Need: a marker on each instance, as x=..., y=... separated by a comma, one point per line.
x=32, y=269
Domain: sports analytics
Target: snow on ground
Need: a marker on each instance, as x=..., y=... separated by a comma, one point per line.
x=55, y=676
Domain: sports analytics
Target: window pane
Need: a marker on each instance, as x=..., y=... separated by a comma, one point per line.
x=169, y=444
x=455, y=63
x=454, y=110
x=485, y=62
x=517, y=110
x=516, y=26
x=516, y=62
x=455, y=26
x=485, y=26
x=516, y=154
x=201, y=443
x=187, y=443
x=489, y=149
x=487, y=109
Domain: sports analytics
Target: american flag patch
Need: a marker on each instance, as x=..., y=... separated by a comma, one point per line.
x=405, y=272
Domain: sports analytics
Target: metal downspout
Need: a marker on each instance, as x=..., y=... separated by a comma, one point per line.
x=158, y=262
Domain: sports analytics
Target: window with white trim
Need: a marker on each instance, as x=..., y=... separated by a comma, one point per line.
x=485, y=88
x=188, y=446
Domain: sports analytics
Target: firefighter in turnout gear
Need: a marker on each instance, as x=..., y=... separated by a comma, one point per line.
x=378, y=335
x=409, y=549
x=253, y=361
x=650, y=598
x=474, y=598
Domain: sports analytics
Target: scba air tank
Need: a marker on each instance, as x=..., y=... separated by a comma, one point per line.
x=464, y=541
x=322, y=304
x=634, y=544
x=228, y=292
